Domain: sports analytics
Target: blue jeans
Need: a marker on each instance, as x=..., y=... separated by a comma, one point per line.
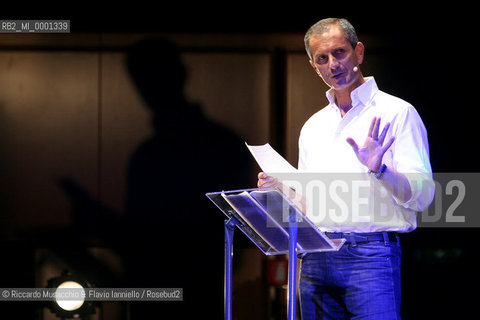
x=359, y=281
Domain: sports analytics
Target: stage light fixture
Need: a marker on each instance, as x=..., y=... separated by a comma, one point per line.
x=66, y=309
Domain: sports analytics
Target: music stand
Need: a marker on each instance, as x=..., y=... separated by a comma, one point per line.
x=276, y=226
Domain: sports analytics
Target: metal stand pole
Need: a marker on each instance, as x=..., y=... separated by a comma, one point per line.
x=292, y=267
x=229, y=228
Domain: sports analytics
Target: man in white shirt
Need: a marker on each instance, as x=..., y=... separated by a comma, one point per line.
x=363, y=131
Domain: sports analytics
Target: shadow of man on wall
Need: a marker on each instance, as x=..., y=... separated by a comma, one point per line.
x=176, y=235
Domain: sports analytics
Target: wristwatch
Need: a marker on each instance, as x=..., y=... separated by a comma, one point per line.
x=380, y=172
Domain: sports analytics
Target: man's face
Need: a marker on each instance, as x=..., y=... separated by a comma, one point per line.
x=334, y=58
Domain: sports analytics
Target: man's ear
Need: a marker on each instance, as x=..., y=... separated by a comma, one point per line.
x=359, y=51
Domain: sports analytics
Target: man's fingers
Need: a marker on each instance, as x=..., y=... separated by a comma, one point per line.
x=372, y=125
x=376, y=128
x=354, y=145
x=388, y=144
x=267, y=183
x=381, y=138
x=264, y=180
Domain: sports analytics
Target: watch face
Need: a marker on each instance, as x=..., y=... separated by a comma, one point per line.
x=380, y=173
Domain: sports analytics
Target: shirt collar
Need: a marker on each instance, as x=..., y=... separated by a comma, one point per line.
x=362, y=94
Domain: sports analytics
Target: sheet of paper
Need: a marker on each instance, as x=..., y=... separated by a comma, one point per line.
x=269, y=160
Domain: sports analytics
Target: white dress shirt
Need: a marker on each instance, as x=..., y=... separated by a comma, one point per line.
x=323, y=149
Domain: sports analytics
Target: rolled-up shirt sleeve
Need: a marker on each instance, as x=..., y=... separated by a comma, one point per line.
x=412, y=159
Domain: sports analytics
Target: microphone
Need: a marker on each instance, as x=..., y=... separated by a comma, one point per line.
x=355, y=69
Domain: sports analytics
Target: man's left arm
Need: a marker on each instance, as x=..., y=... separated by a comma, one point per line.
x=412, y=187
